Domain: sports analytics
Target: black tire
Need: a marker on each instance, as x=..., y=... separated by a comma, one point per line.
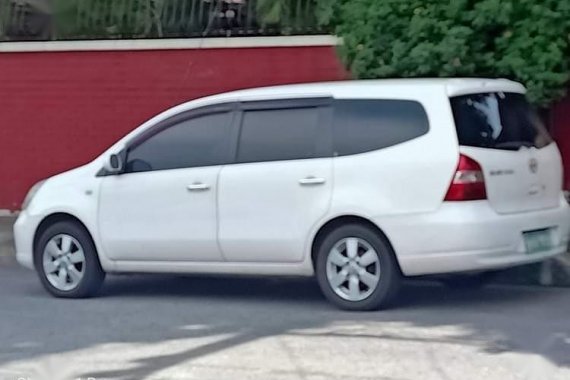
x=390, y=275
x=93, y=276
x=471, y=281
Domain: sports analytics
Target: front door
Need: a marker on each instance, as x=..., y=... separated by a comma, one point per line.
x=163, y=207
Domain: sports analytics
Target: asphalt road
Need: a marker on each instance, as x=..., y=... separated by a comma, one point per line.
x=176, y=327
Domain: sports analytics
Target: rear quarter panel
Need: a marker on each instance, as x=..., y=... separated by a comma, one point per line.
x=411, y=177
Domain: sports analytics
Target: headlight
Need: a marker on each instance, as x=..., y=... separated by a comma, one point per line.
x=33, y=191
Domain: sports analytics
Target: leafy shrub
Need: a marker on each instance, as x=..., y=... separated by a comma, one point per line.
x=525, y=40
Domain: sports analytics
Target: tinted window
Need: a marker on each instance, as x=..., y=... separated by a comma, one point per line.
x=366, y=125
x=499, y=121
x=282, y=134
x=201, y=141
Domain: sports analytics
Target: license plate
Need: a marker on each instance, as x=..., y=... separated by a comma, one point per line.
x=538, y=241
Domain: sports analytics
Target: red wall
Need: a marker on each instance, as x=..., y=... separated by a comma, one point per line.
x=561, y=133
x=60, y=110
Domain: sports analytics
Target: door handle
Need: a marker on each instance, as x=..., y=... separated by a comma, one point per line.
x=198, y=186
x=311, y=181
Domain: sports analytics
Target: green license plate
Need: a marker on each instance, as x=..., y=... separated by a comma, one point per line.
x=538, y=241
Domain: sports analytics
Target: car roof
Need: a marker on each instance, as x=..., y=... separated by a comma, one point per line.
x=364, y=88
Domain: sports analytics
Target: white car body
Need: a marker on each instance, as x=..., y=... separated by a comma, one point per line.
x=257, y=218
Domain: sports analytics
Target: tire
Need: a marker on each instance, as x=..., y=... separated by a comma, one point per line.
x=86, y=277
x=385, y=269
x=468, y=281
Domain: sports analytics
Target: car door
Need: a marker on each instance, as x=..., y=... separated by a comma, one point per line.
x=281, y=183
x=163, y=207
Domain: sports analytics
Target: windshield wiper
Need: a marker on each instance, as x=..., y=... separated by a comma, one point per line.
x=514, y=145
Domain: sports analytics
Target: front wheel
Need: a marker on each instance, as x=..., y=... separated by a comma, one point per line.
x=66, y=261
x=356, y=269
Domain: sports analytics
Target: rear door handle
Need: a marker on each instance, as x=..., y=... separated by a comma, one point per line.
x=198, y=186
x=311, y=181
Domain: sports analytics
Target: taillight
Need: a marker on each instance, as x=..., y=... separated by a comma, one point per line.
x=468, y=182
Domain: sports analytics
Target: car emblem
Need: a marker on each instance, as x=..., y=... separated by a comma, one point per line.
x=533, y=165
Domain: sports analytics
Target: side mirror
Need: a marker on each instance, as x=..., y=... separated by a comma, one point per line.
x=114, y=164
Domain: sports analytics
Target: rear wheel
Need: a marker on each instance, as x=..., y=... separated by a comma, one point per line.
x=356, y=269
x=66, y=261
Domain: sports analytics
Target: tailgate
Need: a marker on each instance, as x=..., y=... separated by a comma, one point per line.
x=521, y=164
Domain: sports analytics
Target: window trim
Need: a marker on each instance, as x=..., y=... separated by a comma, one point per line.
x=323, y=105
x=324, y=148
x=177, y=119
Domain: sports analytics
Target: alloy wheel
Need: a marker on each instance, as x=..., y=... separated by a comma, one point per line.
x=353, y=269
x=64, y=262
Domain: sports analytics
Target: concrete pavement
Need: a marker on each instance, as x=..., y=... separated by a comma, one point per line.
x=192, y=327
x=6, y=237
x=184, y=327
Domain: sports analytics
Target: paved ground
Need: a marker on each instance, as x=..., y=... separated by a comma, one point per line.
x=175, y=327
x=6, y=238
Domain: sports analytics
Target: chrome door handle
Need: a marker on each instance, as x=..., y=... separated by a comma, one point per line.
x=311, y=181
x=198, y=186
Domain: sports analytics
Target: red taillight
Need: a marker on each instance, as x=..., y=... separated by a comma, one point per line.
x=468, y=182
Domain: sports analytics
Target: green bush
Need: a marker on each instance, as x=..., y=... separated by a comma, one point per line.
x=525, y=40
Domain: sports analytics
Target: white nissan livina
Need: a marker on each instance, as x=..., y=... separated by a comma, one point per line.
x=359, y=183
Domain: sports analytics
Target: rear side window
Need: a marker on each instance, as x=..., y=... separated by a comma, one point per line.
x=498, y=121
x=278, y=134
x=366, y=125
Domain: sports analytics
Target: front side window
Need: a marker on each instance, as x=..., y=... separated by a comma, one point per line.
x=363, y=125
x=498, y=121
x=278, y=134
x=199, y=141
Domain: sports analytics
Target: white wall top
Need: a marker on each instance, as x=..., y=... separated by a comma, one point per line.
x=168, y=44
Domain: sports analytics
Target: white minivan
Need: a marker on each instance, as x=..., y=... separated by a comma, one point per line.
x=359, y=183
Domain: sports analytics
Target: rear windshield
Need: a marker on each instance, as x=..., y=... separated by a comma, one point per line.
x=498, y=121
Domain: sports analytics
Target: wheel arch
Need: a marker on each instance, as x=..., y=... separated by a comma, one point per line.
x=338, y=221
x=50, y=220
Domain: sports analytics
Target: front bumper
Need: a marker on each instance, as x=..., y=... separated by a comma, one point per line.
x=24, y=231
x=471, y=236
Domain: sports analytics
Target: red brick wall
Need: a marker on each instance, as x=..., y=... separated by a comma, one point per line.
x=561, y=133
x=59, y=110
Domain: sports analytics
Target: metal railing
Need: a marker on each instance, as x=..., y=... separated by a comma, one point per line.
x=110, y=19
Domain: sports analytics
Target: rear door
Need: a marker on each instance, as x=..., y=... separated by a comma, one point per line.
x=521, y=163
x=281, y=183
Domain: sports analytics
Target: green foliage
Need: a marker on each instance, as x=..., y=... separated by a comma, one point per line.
x=288, y=15
x=103, y=18
x=3, y=17
x=157, y=18
x=526, y=40
x=273, y=11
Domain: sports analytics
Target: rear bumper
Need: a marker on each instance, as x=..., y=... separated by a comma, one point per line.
x=471, y=236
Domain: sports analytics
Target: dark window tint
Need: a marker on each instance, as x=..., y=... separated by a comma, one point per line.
x=279, y=134
x=200, y=141
x=499, y=121
x=366, y=125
